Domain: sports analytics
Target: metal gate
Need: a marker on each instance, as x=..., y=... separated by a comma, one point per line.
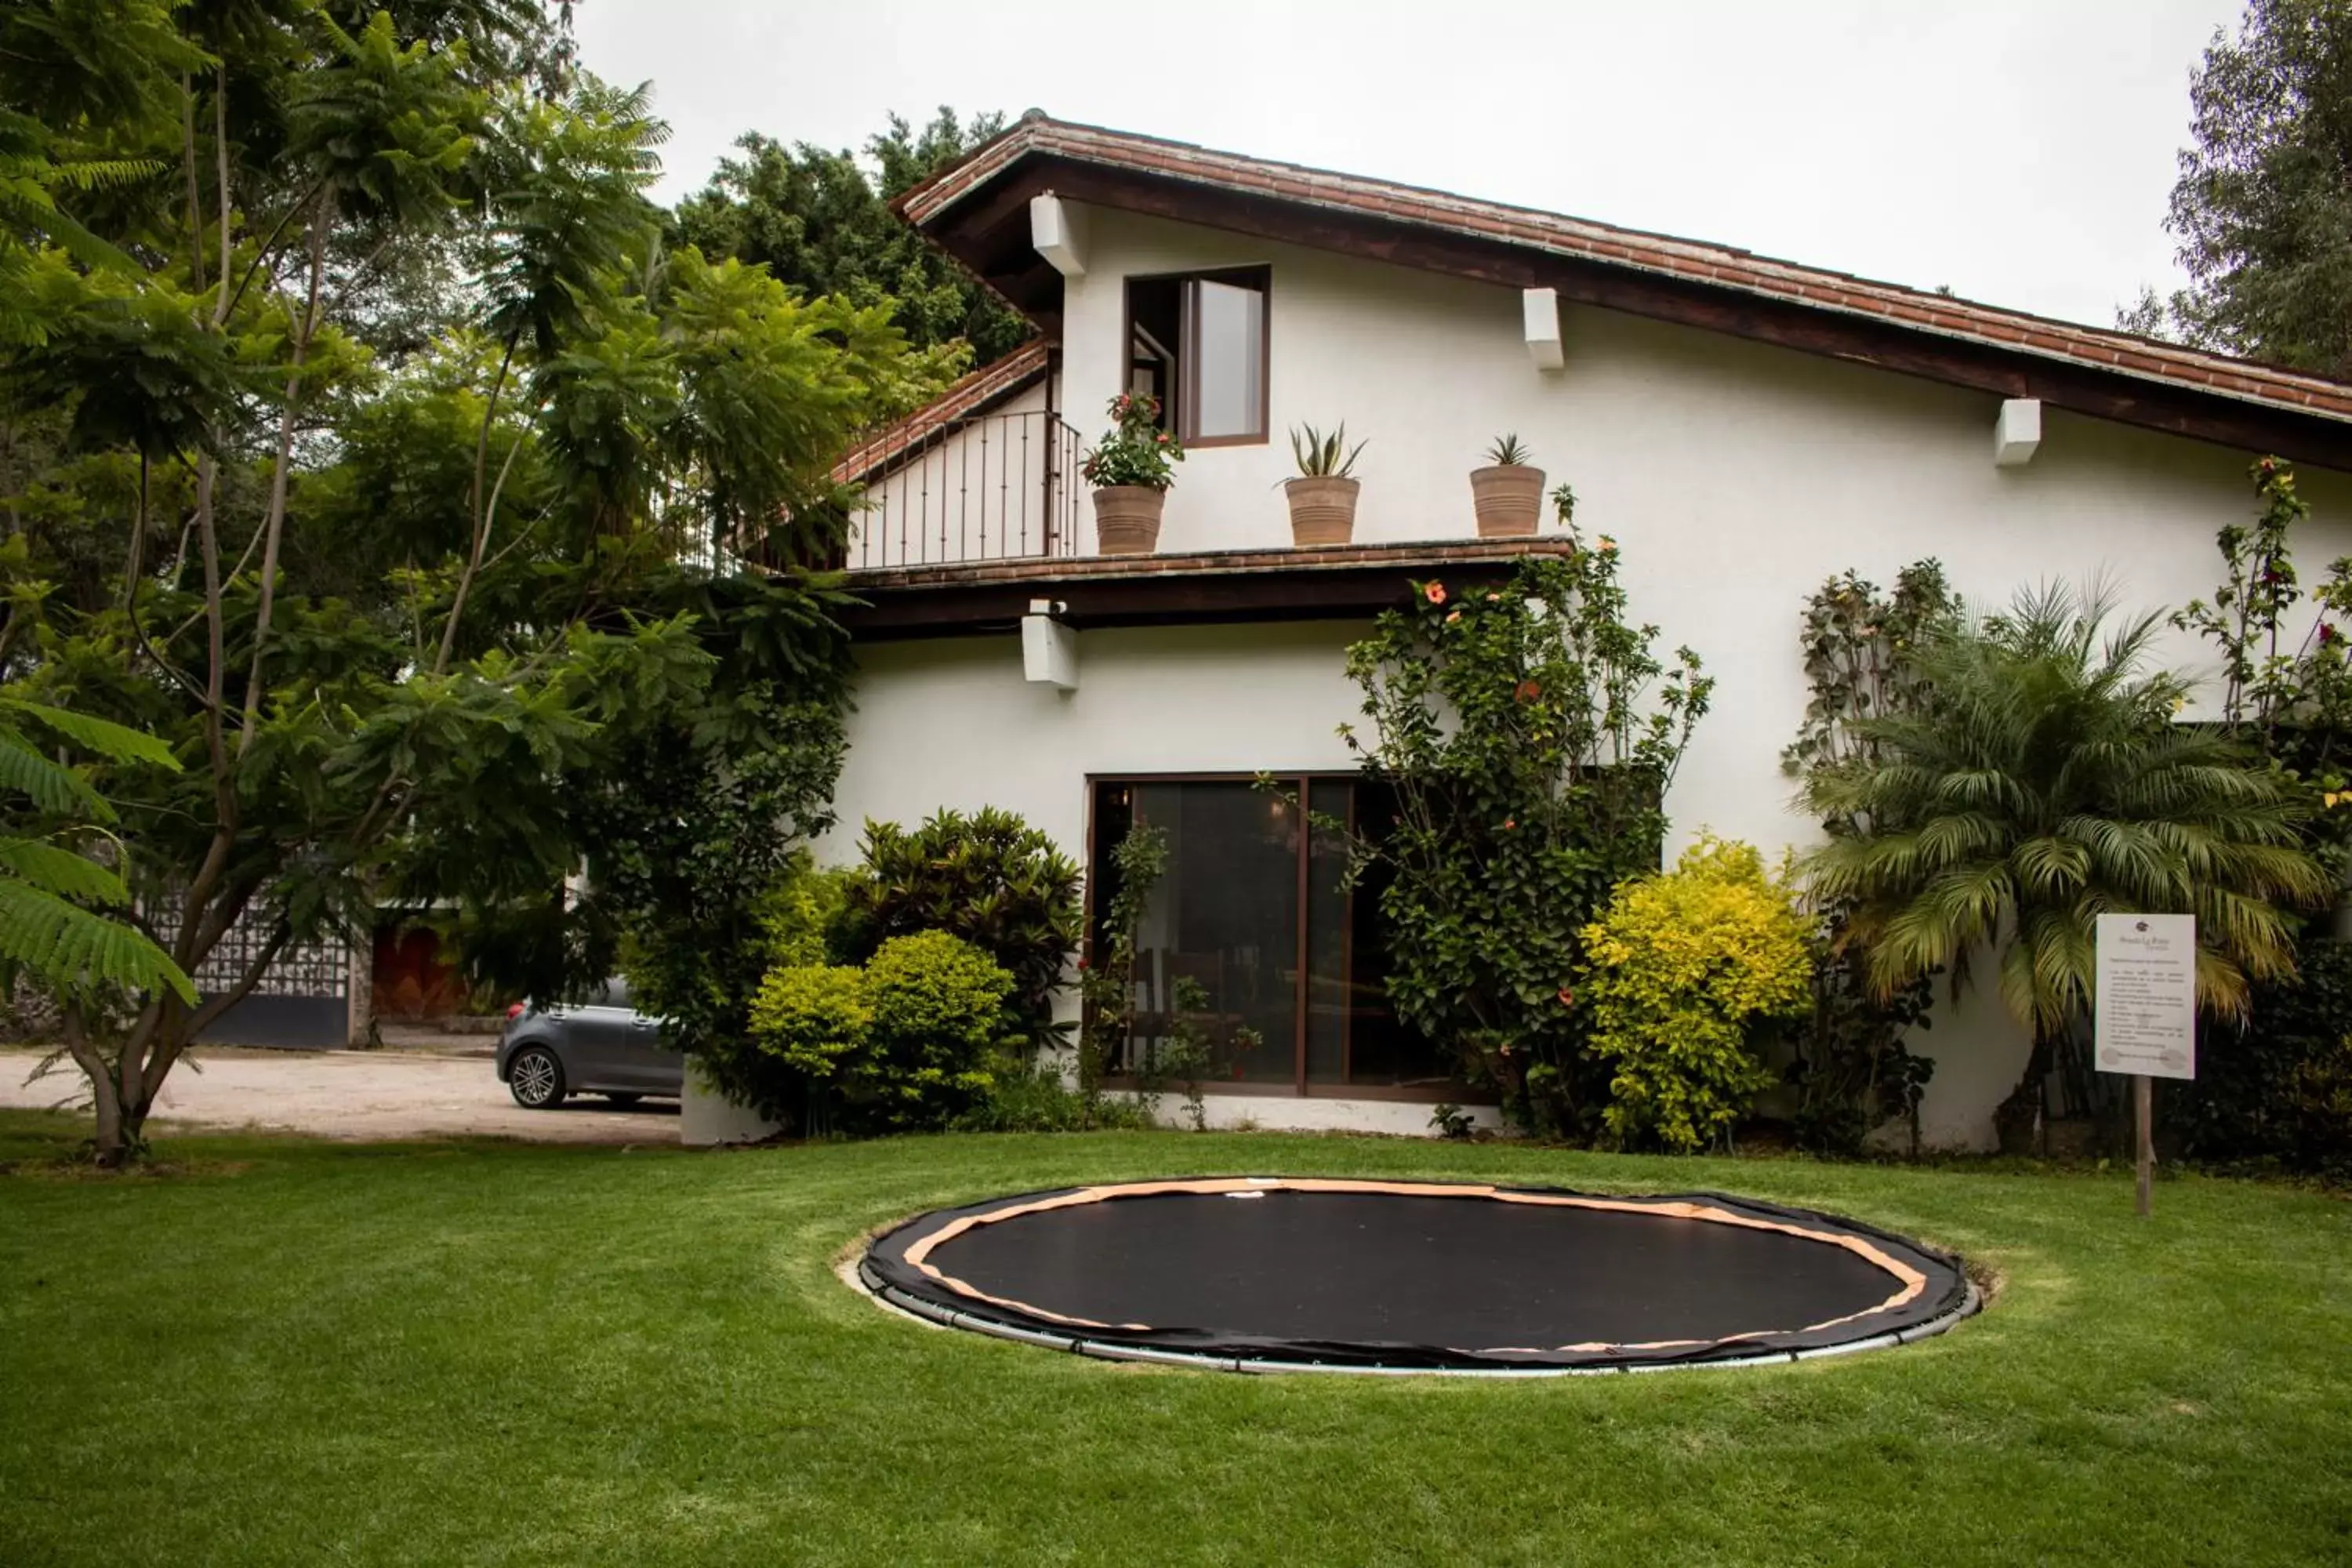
x=302, y=1002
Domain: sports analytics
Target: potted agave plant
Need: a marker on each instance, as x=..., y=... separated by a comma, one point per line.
x=1131, y=467
x=1508, y=493
x=1323, y=496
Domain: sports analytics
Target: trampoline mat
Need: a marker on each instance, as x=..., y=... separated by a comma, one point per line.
x=1402, y=1275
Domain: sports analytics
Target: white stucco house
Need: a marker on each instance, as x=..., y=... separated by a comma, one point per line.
x=1745, y=427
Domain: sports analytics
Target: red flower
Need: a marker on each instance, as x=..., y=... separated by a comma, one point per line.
x=1509, y=823
x=1161, y=437
x=1435, y=593
x=1082, y=966
x=1567, y=997
x=1237, y=1069
x=2328, y=634
x=1528, y=692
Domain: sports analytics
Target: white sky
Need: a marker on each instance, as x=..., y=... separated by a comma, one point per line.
x=2021, y=153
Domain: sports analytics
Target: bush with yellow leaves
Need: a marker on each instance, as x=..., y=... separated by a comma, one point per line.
x=1678, y=970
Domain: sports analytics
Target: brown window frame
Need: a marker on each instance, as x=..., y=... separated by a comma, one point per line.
x=1182, y=419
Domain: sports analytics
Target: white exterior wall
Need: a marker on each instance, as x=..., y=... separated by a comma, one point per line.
x=950, y=723
x=1734, y=476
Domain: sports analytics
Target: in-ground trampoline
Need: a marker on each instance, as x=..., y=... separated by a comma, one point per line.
x=1273, y=1274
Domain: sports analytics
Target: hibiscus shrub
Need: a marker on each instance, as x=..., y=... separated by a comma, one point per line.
x=1527, y=735
x=1677, y=974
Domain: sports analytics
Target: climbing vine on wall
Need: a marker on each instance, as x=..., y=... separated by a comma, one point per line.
x=1852, y=1070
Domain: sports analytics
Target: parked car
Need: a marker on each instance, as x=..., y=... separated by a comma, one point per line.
x=602, y=1046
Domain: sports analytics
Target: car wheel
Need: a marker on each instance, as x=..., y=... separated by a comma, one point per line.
x=623, y=1100
x=536, y=1078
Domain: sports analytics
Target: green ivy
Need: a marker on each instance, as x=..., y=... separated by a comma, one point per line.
x=2290, y=695
x=1852, y=1070
x=1107, y=978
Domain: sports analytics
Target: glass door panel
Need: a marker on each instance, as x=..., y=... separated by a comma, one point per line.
x=1332, y=1003
x=1220, y=938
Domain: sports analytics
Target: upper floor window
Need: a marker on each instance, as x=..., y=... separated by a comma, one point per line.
x=1197, y=342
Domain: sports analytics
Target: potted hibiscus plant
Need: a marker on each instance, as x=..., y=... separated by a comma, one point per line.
x=1508, y=493
x=1131, y=467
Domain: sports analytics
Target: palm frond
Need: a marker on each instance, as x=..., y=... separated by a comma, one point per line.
x=2044, y=783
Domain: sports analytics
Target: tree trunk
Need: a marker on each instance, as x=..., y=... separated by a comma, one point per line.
x=112, y=1148
x=2019, y=1120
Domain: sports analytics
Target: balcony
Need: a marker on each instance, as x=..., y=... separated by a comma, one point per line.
x=993, y=486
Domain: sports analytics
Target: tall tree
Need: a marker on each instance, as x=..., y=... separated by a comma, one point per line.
x=409, y=613
x=2264, y=204
x=821, y=221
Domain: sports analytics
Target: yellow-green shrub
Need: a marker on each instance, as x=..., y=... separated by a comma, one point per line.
x=1677, y=969
x=938, y=1004
x=813, y=1017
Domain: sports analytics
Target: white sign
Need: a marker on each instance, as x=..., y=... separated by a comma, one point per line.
x=2148, y=994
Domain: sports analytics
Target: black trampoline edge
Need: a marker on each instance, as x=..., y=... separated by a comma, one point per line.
x=1948, y=1298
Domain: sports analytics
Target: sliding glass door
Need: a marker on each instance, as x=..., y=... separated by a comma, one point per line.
x=1252, y=938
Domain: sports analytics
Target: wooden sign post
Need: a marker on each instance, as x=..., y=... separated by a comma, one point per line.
x=2146, y=1023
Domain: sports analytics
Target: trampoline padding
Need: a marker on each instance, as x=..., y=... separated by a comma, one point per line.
x=1438, y=1276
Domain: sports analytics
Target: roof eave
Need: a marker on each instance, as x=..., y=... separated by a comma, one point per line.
x=976, y=210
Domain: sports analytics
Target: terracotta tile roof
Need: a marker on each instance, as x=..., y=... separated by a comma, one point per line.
x=989, y=385
x=2113, y=352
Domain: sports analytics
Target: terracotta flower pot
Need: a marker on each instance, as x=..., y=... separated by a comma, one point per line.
x=1322, y=510
x=1509, y=499
x=1127, y=519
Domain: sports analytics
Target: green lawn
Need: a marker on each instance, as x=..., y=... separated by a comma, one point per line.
x=289, y=1351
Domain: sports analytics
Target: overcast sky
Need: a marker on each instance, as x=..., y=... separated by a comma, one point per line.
x=2020, y=152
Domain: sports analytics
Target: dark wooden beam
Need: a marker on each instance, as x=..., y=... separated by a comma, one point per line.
x=1113, y=591
x=2176, y=409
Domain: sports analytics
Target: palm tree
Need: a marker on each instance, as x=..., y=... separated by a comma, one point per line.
x=2041, y=781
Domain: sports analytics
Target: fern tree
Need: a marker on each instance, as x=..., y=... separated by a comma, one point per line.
x=410, y=614
x=2050, y=783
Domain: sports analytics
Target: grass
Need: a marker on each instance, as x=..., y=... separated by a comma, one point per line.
x=280, y=1350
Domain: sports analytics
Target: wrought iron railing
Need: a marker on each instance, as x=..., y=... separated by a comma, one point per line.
x=990, y=488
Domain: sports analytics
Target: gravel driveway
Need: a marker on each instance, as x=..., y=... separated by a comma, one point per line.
x=354, y=1094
